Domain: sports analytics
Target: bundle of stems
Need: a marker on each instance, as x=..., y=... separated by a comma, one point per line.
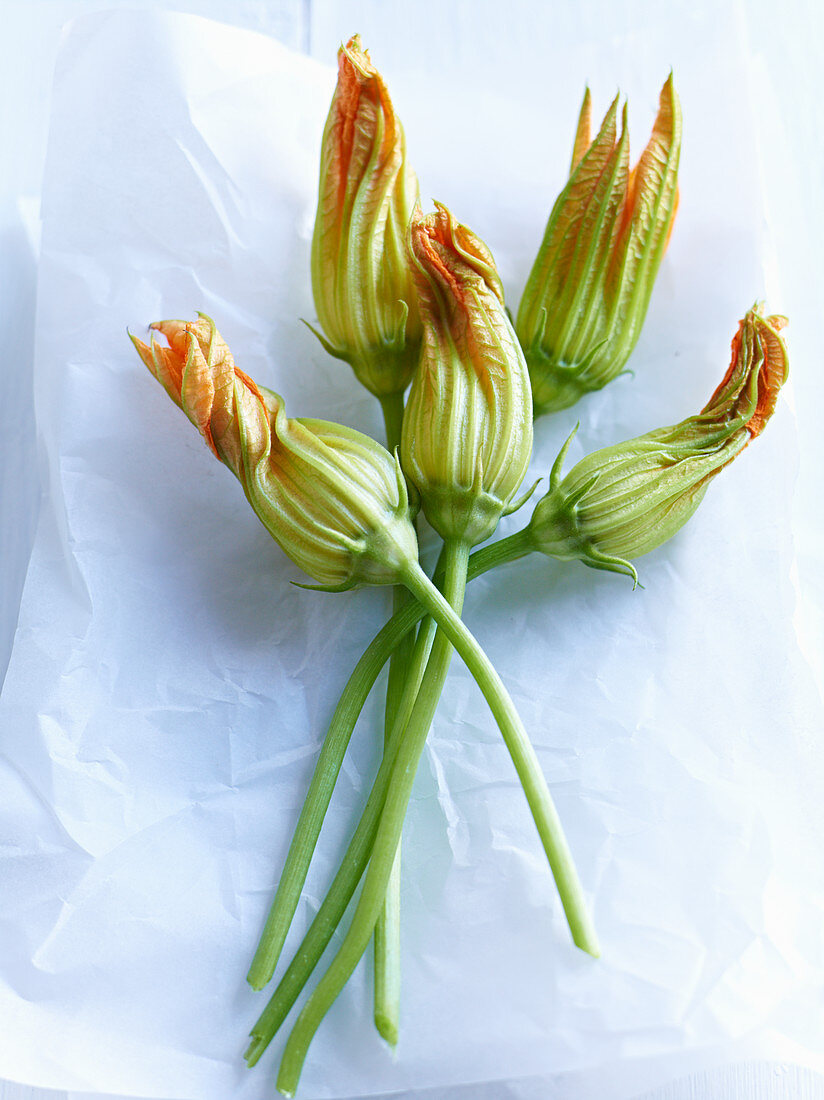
x=425, y=676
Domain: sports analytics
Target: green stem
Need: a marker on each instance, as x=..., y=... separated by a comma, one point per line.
x=392, y=409
x=331, y=756
x=532, y=780
x=314, y=809
x=387, y=989
x=388, y=832
x=349, y=873
x=387, y=980
x=523, y=757
x=498, y=553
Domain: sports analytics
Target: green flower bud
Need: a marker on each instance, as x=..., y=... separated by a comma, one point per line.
x=467, y=429
x=333, y=499
x=587, y=295
x=623, y=501
x=361, y=276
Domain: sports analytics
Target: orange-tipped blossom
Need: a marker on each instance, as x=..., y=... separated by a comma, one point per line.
x=756, y=373
x=467, y=430
x=333, y=499
x=587, y=295
x=199, y=374
x=361, y=276
x=623, y=501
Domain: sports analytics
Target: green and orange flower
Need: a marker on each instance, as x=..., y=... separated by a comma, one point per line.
x=361, y=276
x=623, y=501
x=467, y=430
x=332, y=498
x=587, y=295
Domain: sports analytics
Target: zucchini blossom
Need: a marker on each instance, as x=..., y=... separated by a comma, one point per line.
x=467, y=429
x=361, y=277
x=587, y=295
x=333, y=499
x=623, y=501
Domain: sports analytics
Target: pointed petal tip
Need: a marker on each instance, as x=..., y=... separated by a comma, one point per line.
x=758, y=312
x=354, y=53
x=668, y=99
x=144, y=350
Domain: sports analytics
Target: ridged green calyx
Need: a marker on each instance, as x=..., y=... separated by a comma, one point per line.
x=467, y=429
x=623, y=501
x=361, y=277
x=587, y=295
x=333, y=499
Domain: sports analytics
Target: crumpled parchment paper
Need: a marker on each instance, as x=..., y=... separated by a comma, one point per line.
x=168, y=687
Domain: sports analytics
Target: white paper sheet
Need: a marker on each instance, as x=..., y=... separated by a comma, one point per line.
x=168, y=687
